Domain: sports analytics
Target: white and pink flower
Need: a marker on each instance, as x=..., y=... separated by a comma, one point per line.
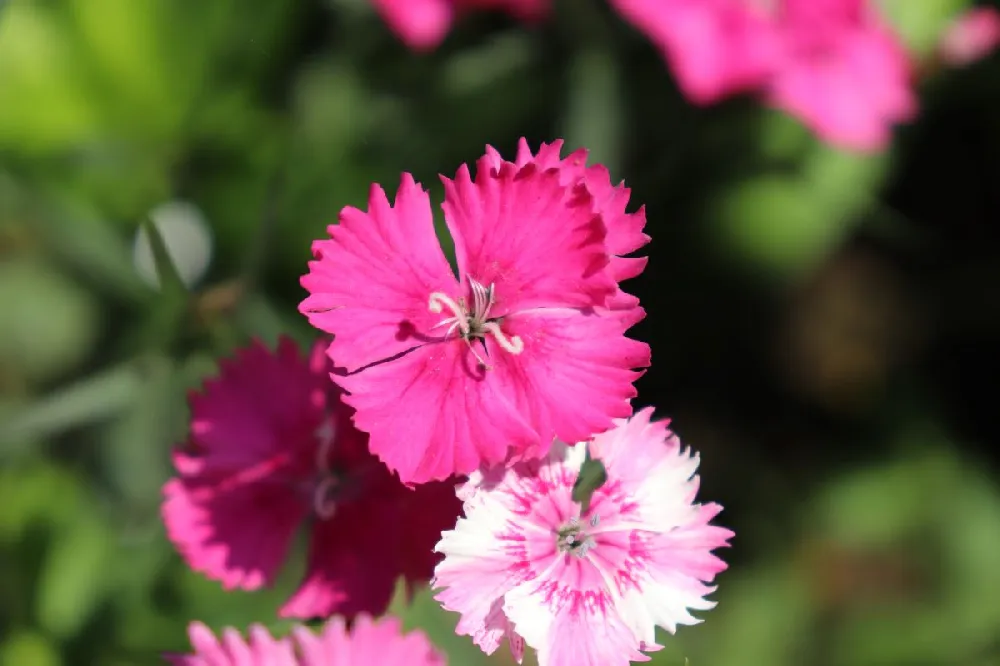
x=584, y=588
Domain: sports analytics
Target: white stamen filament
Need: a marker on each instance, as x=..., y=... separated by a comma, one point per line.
x=323, y=504
x=475, y=323
x=326, y=433
x=460, y=319
x=513, y=344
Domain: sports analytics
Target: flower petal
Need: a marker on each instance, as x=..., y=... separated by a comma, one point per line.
x=229, y=511
x=369, y=642
x=569, y=353
x=353, y=563
x=572, y=623
x=421, y=24
x=714, y=47
x=209, y=526
x=233, y=650
x=432, y=413
x=370, y=283
x=537, y=240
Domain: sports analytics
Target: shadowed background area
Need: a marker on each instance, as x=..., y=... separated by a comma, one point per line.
x=824, y=325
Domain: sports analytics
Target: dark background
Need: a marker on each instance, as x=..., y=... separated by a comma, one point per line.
x=824, y=325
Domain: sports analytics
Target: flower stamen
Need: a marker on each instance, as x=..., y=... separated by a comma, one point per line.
x=513, y=344
x=474, y=323
x=323, y=503
x=570, y=538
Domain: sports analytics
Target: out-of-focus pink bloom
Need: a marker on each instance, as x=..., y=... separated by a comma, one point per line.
x=367, y=643
x=423, y=24
x=714, y=47
x=446, y=374
x=624, y=230
x=834, y=64
x=272, y=447
x=972, y=36
x=583, y=589
x=841, y=71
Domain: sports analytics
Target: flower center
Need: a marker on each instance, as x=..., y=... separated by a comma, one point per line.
x=475, y=322
x=571, y=537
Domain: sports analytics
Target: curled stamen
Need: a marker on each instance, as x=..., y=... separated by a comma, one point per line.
x=513, y=344
x=326, y=433
x=323, y=504
x=438, y=301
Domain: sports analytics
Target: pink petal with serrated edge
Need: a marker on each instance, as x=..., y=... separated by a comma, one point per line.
x=567, y=353
x=369, y=285
x=536, y=240
x=432, y=413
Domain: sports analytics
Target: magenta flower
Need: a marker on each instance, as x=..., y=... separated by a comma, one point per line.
x=715, y=47
x=973, y=35
x=423, y=24
x=368, y=643
x=624, y=230
x=841, y=72
x=272, y=447
x=583, y=589
x=447, y=374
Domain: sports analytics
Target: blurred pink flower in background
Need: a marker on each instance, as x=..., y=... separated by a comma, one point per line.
x=272, y=447
x=423, y=24
x=841, y=71
x=583, y=588
x=714, y=47
x=834, y=64
x=368, y=643
x=448, y=374
x=973, y=35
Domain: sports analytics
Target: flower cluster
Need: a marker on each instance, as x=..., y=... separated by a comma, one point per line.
x=481, y=391
x=835, y=64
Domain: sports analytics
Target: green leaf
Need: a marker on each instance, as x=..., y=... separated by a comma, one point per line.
x=920, y=23
x=92, y=246
x=21, y=648
x=592, y=476
x=169, y=277
x=74, y=576
x=49, y=322
x=594, y=114
x=90, y=400
x=137, y=447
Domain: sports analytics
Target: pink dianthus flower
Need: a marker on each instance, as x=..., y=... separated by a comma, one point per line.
x=971, y=36
x=583, y=588
x=841, y=71
x=715, y=47
x=423, y=24
x=272, y=447
x=834, y=64
x=447, y=374
x=367, y=643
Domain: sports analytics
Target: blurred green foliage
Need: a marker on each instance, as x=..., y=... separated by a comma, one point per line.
x=800, y=300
